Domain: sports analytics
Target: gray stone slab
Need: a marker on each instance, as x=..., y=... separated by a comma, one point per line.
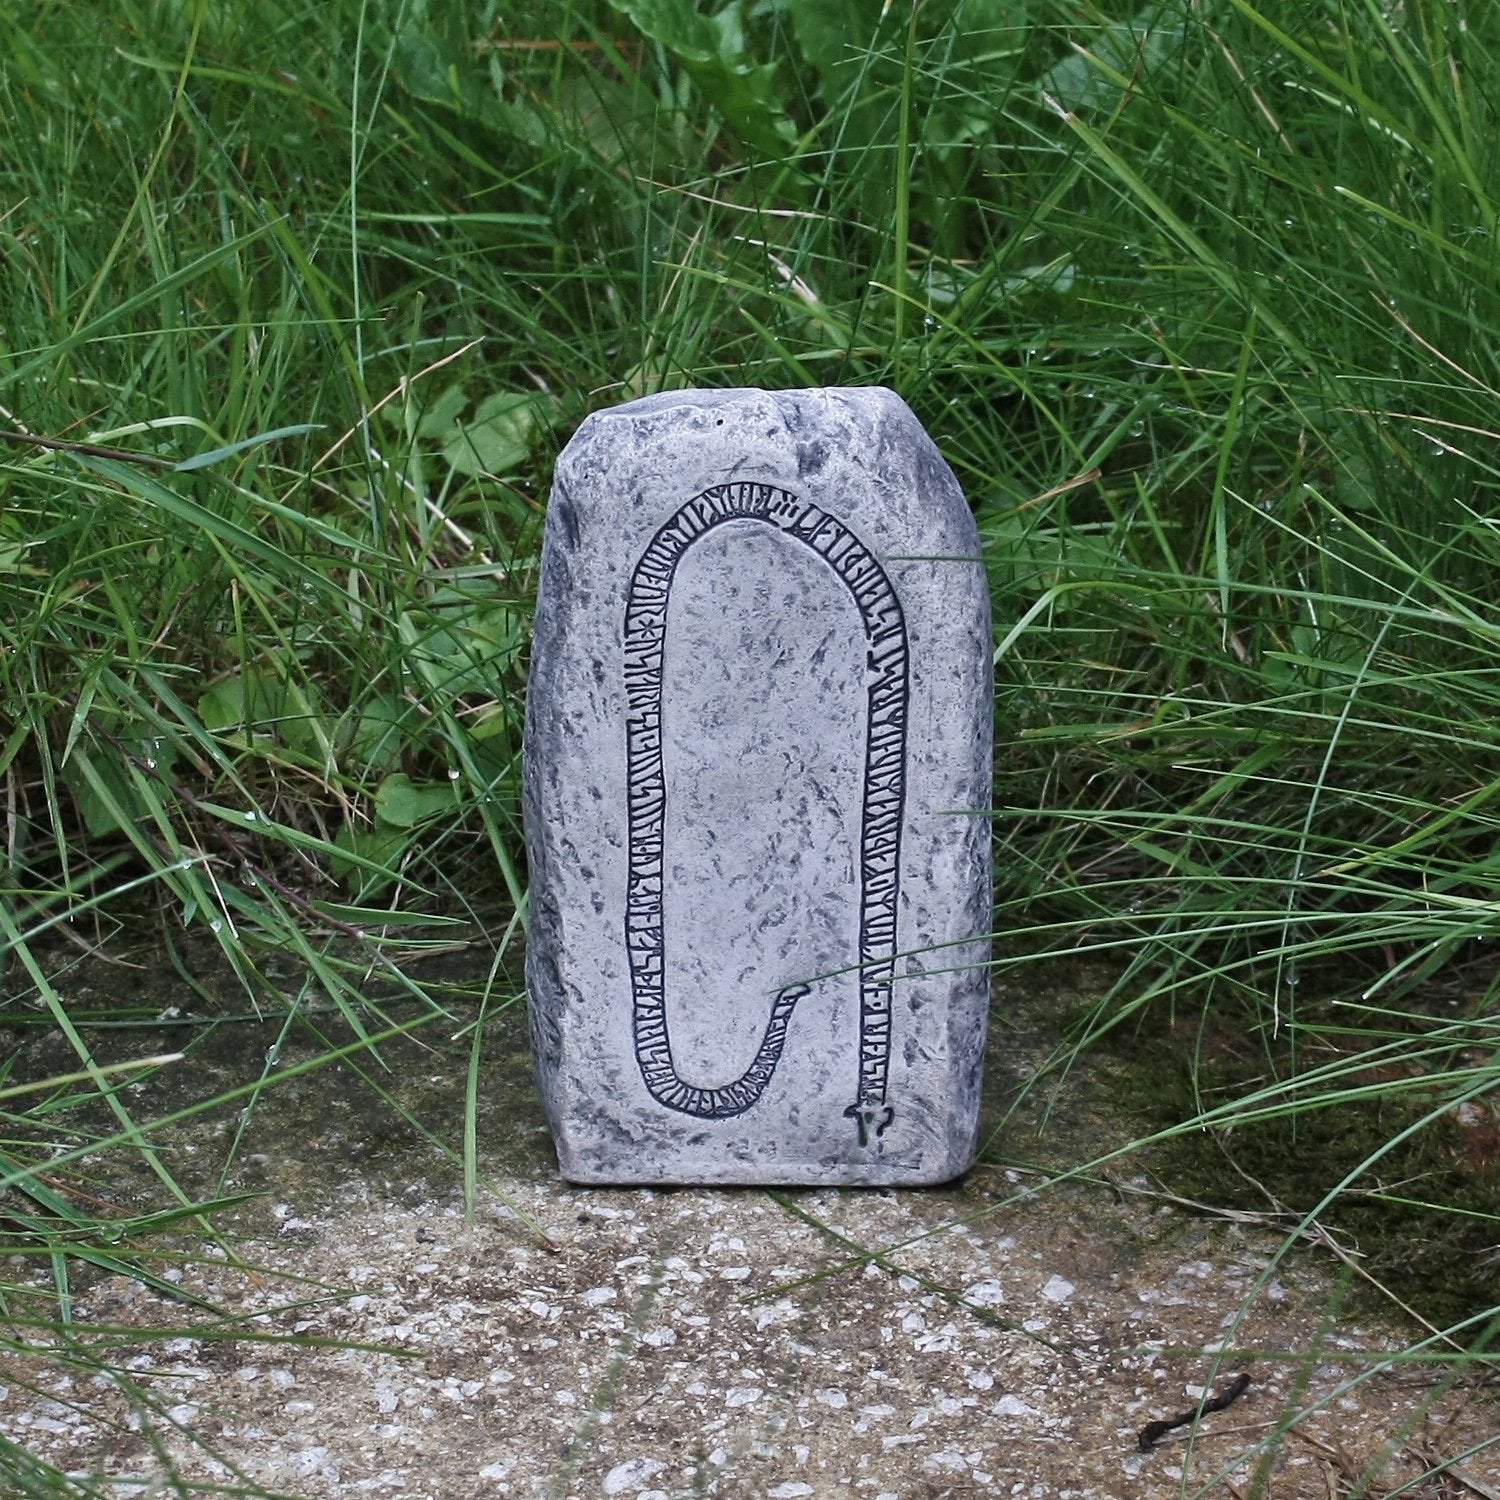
x=758, y=758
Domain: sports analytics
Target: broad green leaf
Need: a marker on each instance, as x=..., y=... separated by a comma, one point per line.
x=838, y=38
x=106, y=792
x=261, y=701
x=222, y=707
x=962, y=44
x=1104, y=62
x=253, y=700
x=498, y=438
x=377, y=733
x=463, y=645
x=105, y=798
x=434, y=61
x=402, y=803
x=368, y=859
x=712, y=49
x=438, y=418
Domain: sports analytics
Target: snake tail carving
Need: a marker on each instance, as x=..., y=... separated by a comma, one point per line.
x=882, y=807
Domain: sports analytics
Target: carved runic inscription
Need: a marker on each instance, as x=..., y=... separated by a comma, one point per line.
x=882, y=806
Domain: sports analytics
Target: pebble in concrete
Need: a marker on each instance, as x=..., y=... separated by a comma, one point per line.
x=758, y=758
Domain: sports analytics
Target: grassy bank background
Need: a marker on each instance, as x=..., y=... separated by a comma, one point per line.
x=296, y=306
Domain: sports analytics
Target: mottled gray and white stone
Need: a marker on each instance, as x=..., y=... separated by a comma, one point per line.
x=758, y=763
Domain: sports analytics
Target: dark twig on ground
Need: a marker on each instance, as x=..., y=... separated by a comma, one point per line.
x=1153, y=1431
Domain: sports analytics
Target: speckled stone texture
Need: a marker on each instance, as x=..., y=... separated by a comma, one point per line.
x=758, y=762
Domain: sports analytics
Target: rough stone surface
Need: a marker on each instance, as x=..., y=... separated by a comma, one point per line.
x=758, y=751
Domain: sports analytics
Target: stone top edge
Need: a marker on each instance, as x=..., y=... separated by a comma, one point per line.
x=695, y=398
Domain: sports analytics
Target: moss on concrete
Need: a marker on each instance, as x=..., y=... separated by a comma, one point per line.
x=1422, y=1216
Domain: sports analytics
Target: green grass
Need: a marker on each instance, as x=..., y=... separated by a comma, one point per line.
x=1202, y=306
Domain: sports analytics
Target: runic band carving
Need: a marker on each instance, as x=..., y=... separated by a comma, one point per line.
x=883, y=804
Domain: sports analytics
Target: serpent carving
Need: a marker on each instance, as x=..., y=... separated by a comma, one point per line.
x=884, y=795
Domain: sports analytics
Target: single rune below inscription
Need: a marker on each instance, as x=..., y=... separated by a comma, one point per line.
x=757, y=777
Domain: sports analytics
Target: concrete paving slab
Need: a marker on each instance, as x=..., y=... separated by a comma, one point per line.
x=982, y=1338
x=703, y=1342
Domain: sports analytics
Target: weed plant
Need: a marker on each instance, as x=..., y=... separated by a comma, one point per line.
x=1201, y=302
